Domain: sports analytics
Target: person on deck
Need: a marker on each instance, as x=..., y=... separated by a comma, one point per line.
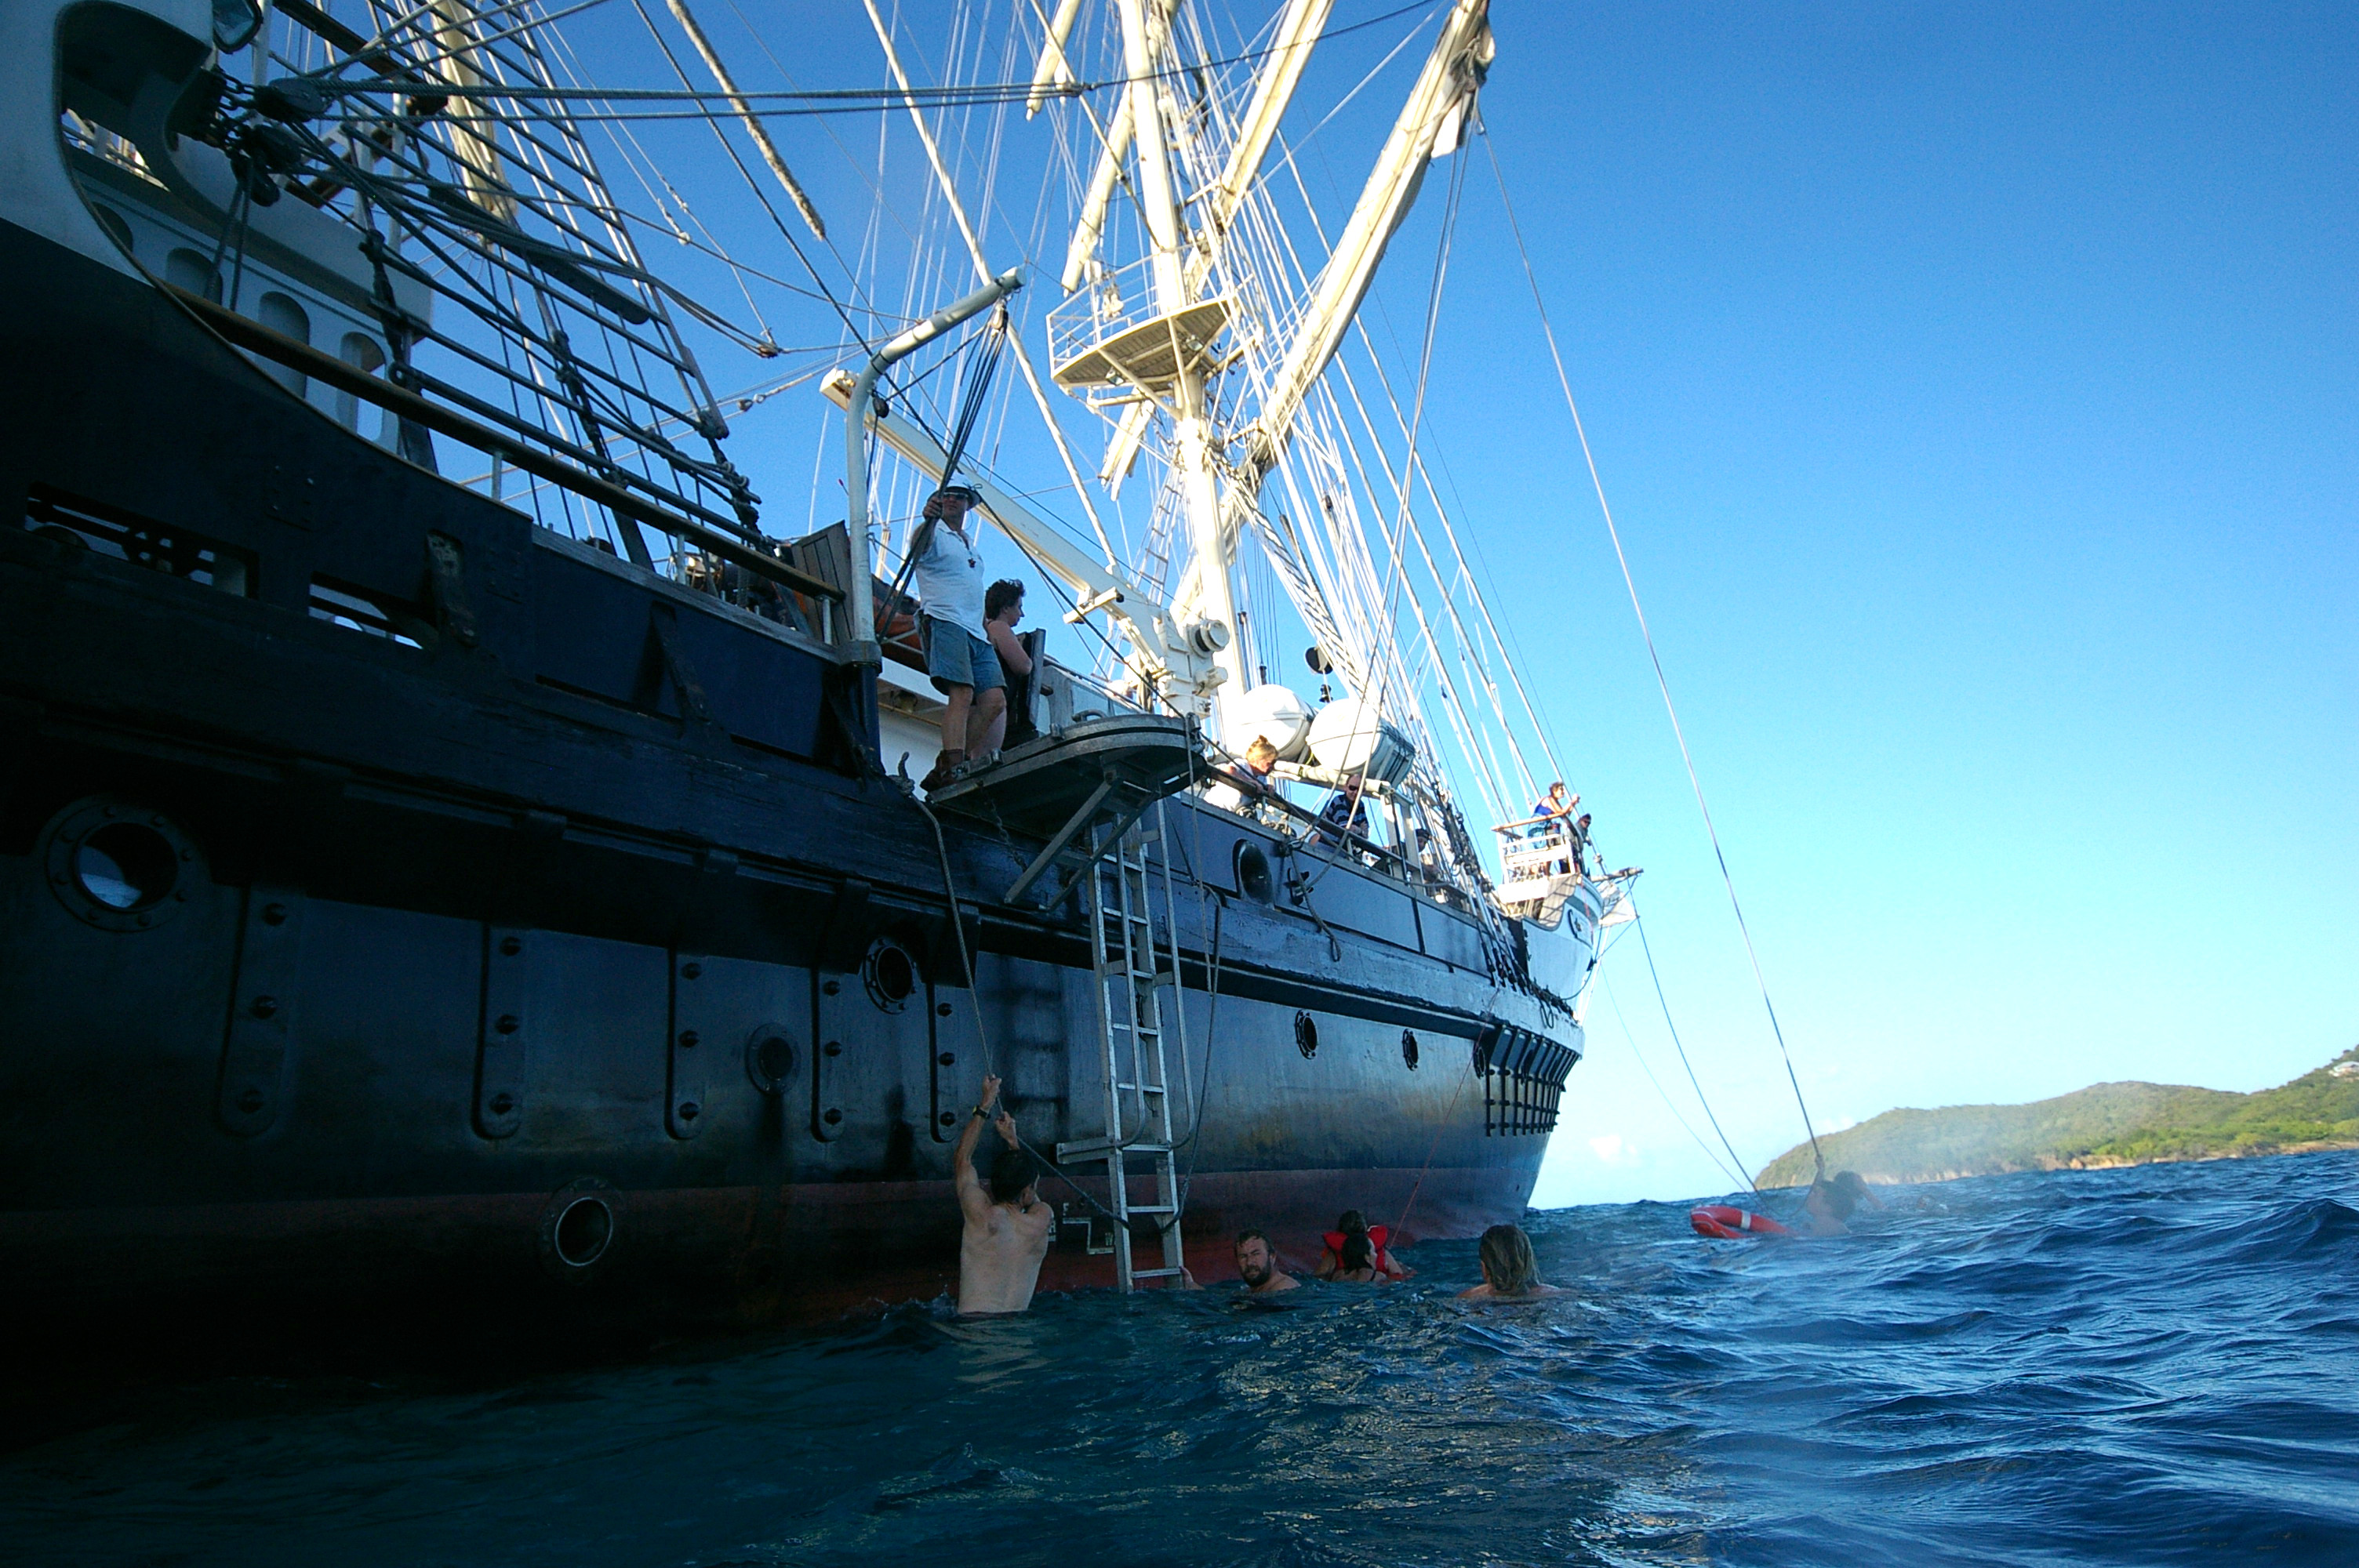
x=1556, y=802
x=959, y=656
x=1007, y=1226
x=1355, y=1238
x=1248, y=778
x=1552, y=818
x=1510, y=1272
x=1579, y=865
x=1258, y=1266
x=1344, y=816
x=1259, y=762
x=1003, y=606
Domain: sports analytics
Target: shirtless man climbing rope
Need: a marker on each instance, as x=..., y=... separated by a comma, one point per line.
x=1007, y=1226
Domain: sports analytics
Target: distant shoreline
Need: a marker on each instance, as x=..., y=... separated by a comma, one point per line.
x=2102, y=1127
x=2117, y=1163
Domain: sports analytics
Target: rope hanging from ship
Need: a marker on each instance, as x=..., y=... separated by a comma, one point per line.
x=1662, y=682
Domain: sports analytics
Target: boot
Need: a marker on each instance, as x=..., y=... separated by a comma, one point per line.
x=945, y=764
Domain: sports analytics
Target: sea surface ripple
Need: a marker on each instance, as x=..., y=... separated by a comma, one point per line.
x=2157, y=1365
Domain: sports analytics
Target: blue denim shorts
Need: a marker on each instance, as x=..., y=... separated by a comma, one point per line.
x=956, y=657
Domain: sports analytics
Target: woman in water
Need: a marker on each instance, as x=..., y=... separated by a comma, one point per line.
x=1510, y=1272
x=1357, y=1266
x=1351, y=1226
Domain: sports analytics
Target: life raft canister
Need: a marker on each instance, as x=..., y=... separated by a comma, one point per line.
x=1723, y=1223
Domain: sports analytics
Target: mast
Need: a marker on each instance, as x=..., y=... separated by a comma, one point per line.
x=1430, y=125
x=1134, y=363
x=1194, y=447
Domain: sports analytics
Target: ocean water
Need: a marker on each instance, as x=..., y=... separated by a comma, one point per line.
x=2158, y=1365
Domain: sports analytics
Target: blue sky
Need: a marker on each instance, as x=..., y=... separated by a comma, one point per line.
x=1974, y=388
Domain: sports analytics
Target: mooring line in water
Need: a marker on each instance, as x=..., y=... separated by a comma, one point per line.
x=1205, y=893
x=1418, y=1185
x=982, y=1035
x=1662, y=682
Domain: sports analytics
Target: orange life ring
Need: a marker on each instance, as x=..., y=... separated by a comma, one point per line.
x=1723, y=1223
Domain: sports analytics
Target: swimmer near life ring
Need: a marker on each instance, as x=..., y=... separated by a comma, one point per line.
x=1723, y=1223
x=1378, y=1236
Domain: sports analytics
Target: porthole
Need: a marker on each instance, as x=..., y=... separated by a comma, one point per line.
x=1408, y=1048
x=119, y=865
x=1253, y=870
x=890, y=973
x=1306, y=1035
x=585, y=1228
x=578, y=1229
x=769, y=1058
x=126, y=865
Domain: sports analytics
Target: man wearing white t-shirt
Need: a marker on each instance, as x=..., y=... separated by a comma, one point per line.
x=959, y=656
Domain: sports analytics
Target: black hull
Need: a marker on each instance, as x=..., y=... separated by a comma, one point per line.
x=445, y=915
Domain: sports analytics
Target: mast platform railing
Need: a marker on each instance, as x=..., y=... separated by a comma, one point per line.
x=1109, y=333
x=1537, y=847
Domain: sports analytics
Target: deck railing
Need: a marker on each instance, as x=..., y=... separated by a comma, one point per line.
x=1538, y=846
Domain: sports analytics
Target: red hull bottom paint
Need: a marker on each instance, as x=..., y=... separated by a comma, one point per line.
x=728, y=1256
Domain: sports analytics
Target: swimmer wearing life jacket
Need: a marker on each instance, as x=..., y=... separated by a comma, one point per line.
x=1356, y=1253
x=1510, y=1272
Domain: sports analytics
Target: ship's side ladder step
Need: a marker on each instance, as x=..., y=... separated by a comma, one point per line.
x=1132, y=969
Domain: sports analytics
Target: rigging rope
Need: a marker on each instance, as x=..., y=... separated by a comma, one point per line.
x=753, y=185
x=1661, y=682
x=1710, y=1153
x=993, y=339
x=977, y=388
x=974, y=982
x=840, y=100
x=1648, y=949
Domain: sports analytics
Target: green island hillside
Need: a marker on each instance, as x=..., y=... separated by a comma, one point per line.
x=2105, y=1124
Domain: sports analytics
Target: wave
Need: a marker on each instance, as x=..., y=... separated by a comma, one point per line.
x=2081, y=1367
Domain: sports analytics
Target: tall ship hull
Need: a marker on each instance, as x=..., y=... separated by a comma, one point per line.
x=410, y=907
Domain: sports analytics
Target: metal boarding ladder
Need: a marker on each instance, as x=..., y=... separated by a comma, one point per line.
x=1132, y=971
